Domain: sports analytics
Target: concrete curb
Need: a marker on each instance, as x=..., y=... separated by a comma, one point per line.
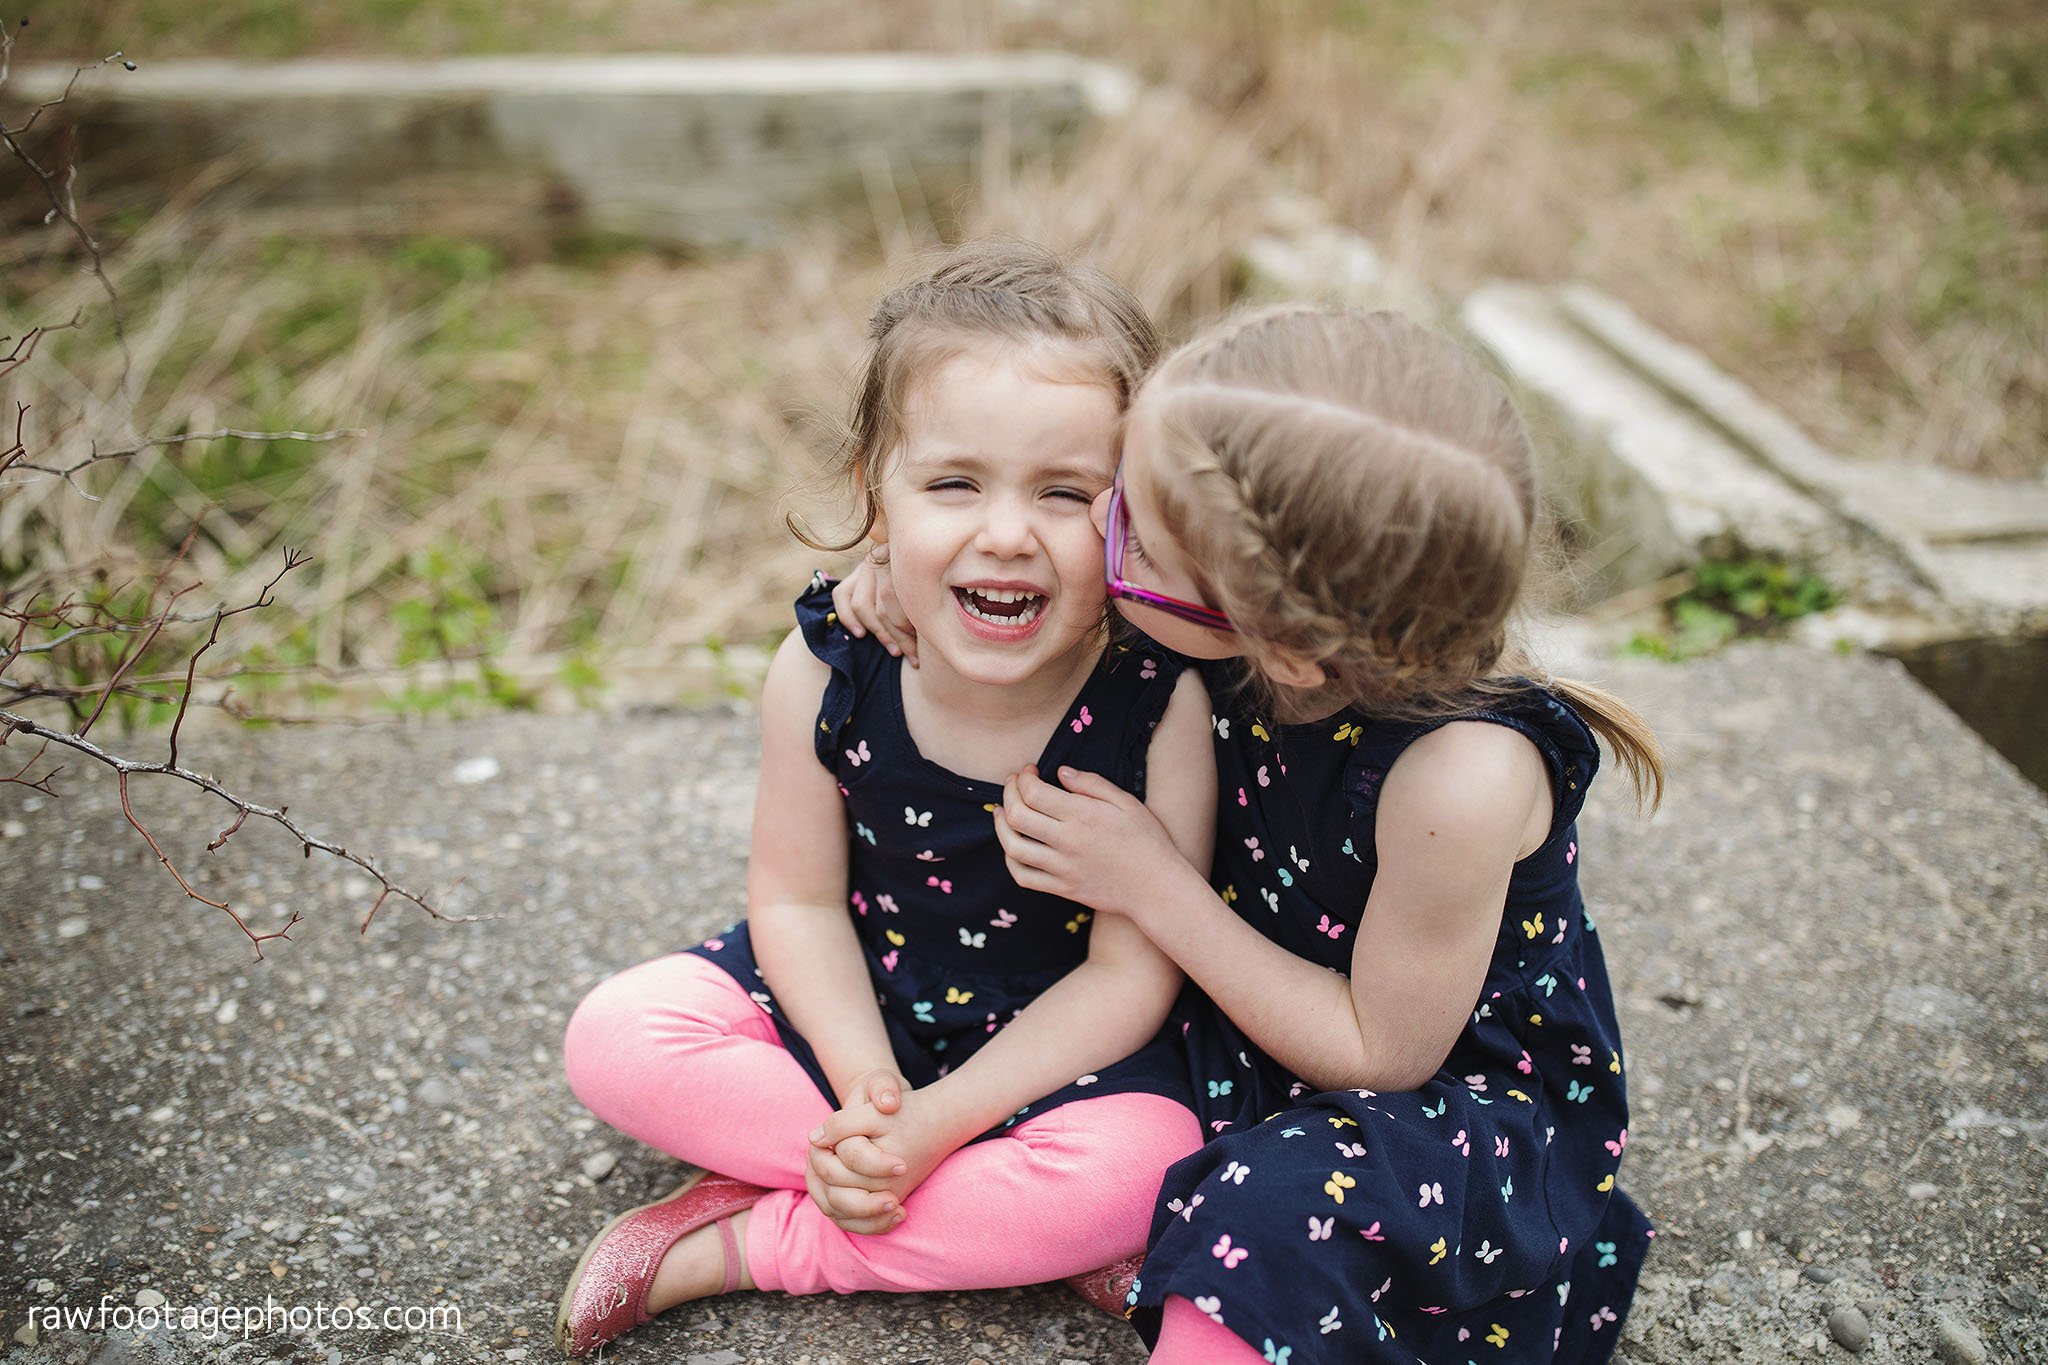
x=694, y=151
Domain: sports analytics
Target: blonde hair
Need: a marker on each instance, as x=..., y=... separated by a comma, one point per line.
x=993, y=289
x=1356, y=491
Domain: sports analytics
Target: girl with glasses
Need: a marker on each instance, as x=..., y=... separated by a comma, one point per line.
x=1403, y=1043
x=904, y=1071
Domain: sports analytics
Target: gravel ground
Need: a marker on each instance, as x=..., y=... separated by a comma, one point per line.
x=1829, y=947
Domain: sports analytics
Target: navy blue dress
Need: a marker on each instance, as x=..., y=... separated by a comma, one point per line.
x=955, y=948
x=1473, y=1220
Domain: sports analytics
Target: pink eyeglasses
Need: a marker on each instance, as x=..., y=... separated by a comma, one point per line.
x=1119, y=529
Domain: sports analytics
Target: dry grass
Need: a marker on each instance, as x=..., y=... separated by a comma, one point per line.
x=1845, y=203
x=580, y=461
x=1846, y=206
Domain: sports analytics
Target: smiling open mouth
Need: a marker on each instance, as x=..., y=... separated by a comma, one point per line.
x=999, y=607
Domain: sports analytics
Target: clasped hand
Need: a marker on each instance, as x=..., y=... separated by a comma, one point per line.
x=866, y=1158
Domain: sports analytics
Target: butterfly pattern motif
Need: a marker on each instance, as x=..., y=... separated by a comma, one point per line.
x=1426, y=1207
x=955, y=947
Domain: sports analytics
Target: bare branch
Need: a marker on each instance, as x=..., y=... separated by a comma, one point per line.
x=44, y=604
x=41, y=784
x=99, y=456
x=25, y=349
x=58, y=190
x=155, y=628
x=221, y=839
x=126, y=768
x=20, y=446
x=292, y=560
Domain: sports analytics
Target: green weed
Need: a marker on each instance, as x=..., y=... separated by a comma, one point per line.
x=1731, y=599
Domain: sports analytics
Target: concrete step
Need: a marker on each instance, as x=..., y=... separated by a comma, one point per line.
x=694, y=151
x=1667, y=461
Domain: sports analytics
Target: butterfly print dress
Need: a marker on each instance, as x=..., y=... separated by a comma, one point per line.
x=1473, y=1220
x=954, y=947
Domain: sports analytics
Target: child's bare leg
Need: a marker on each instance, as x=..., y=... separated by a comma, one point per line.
x=696, y=1267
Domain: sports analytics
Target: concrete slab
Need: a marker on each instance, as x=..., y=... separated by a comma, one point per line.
x=1655, y=488
x=1981, y=544
x=1829, y=950
x=697, y=151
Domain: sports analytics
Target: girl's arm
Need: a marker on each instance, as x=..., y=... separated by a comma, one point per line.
x=803, y=937
x=1456, y=811
x=1101, y=1012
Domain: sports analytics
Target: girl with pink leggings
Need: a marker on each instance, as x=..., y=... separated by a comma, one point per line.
x=904, y=1071
x=672, y=1052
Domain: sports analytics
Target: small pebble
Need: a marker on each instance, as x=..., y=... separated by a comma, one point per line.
x=1850, y=1329
x=88, y=882
x=1820, y=1274
x=2021, y=1296
x=74, y=927
x=149, y=1298
x=1956, y=1343
x=13, y=829
x=289, y=1234
x=599, y=1165
x=25, y=1335
x=1922, y=1191
x=434, y=1093
x=474, y=770
x=228, y=1012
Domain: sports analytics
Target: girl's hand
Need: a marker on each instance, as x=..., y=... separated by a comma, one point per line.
x=861, y=1177
x=881, y=1086
x=1088, y=840
x=866, y=601
x=846, y=1159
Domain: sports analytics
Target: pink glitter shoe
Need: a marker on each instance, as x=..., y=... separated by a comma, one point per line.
x=1109, y=1287
x=607, y=1293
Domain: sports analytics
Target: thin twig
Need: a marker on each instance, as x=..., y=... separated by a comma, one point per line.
x=25, y=349
x=126, y=768
x=292, y=560
x=41, y=784
x=60, y=191
x=62, y=204
x=99, y=456
x=156, y=627
x=20, y=446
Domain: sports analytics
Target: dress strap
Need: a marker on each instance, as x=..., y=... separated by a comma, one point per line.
x=1570, y=754
x=852, y=666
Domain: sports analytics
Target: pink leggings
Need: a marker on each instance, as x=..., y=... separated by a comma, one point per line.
x=673, y=1052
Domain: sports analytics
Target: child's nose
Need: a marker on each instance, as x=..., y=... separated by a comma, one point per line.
x=1007, y=528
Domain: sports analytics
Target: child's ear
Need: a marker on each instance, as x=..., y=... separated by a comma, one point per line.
x=1098, y=512
x=1285, y=666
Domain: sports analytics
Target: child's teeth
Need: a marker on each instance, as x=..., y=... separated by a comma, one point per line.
x=973, y=598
